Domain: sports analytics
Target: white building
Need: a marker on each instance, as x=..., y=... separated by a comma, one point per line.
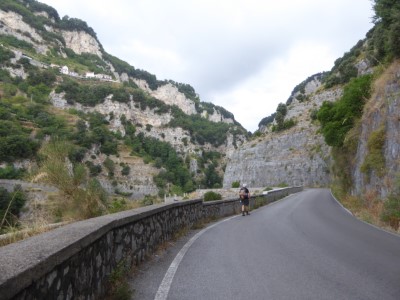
x=90, y=75
x=64, y=70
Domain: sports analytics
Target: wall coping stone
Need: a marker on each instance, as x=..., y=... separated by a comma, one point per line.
x=28, y=260
x=25, y=262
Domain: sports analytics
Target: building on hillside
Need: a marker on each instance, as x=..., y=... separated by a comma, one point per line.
x=103, y=77
x=89, y=75
x=64, y=70
x=73, y=74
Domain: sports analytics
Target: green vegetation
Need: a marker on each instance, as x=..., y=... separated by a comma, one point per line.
x=11, y=204
x=339, y=117
x=267, y=120
x=340, y=128
x=10, y=172
x=118, y=286
x=5, y=55
x=123, y=67
x=72, y=24
x=186, y=89
x=281, y=123
x=96, y=134
x=79, y=196
x=384, y=38
x=301, y=88
x=235, y=184
x=201, y=130
x=90, y=94
x=212, y=196
x=58, y=142
x=344, y=69
x=212, y=178
x=163, y=155
x=391, y=210
x=381, y=46
x=375, y=159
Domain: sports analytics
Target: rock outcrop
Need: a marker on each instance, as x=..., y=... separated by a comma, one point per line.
x=81, y=42
x=13, y=24
x=298, y=156
x=380, y=114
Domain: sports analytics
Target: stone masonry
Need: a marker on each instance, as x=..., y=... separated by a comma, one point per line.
x=75, y=261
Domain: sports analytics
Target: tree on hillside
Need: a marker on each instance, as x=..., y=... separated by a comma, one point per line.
x=281, y=112
x=387, y=20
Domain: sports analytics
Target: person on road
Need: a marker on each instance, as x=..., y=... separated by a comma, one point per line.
x=244, y=195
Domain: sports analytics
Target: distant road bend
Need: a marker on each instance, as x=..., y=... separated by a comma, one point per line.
x=305, y=246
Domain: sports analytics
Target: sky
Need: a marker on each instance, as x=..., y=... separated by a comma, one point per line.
x=243, y=55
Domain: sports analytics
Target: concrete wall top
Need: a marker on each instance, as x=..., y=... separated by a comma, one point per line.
x=31, y=258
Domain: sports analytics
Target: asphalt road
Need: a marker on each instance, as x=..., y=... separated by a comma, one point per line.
x=305, y=246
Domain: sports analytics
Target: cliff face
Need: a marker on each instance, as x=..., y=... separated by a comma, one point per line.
x=381, y=116
x=12, y=24
x=81, y=42
x=179, y=138
x=298, y=156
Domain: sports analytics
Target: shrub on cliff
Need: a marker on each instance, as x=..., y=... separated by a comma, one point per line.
x=235, y=184
x=391, y=211
x=375, y=158
x=339, y=117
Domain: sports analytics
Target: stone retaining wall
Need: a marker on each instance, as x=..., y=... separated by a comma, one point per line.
x=75, y=261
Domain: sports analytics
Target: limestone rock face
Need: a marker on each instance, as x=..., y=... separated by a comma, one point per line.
x=169, y=94
x=138, y=183
x=381, y=113
x=81, y=42
x=13, y=24
x=298, y=156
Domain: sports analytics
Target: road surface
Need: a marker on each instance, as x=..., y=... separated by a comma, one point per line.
x=305, y=246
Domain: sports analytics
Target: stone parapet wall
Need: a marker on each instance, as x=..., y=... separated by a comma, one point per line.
x=75, y=261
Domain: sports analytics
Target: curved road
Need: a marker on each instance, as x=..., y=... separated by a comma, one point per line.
x=305, y=246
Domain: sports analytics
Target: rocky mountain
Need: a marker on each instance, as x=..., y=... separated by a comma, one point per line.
x=297, y=156
x=136, y=135
x=376, y=166
x=338, y=129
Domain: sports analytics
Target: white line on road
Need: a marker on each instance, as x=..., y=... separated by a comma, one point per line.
x=165, y=285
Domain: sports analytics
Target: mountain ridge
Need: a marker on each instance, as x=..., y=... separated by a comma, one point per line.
x=140, y=138
x=132, y=136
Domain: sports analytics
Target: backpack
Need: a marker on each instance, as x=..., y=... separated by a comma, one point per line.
x=244, y=193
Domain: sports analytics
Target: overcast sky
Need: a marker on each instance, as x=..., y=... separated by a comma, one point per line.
x=244, y=55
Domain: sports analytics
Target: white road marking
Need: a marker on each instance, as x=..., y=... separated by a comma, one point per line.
x=348, y=211
x=165, y=285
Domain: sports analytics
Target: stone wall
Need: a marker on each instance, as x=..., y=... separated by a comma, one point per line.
x=75, y=261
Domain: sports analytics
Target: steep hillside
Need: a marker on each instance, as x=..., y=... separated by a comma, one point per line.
x=135, y=135
x=376, y=166
x=339, y=129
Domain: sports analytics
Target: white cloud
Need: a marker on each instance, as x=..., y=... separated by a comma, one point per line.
x=245, y=55
x=260, y=95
